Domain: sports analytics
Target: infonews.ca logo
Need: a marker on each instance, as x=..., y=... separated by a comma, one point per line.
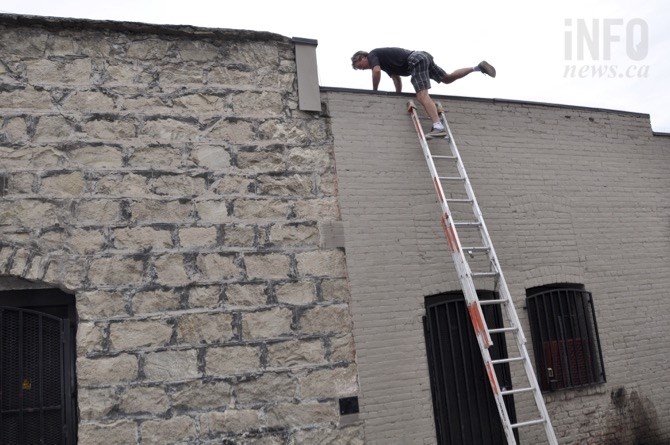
x=601, y=38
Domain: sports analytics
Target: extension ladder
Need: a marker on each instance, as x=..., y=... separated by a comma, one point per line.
x=483, y=253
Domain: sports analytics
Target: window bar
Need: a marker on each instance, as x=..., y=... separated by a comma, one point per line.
x=583, y=323
x=463, y=342
x=601, y=368
x=438, y=353
x=21, y=431
x=40, y=371
x=459, y=396
x=548, y=360
x=2, y=383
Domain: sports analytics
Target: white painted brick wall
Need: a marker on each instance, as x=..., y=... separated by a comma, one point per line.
x=568, y=194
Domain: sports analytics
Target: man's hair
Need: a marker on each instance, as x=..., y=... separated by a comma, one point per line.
x=358, y=55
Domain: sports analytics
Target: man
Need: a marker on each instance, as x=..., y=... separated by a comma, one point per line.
x=420, y=66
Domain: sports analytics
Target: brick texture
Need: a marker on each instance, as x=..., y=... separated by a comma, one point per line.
x=568, y=194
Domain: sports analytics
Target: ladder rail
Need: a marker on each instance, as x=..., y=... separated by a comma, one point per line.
x=466, y=278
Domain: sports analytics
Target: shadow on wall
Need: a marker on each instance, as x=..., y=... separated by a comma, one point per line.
x=634, y=420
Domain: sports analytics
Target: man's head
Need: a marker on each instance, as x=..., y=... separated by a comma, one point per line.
x=359, y=61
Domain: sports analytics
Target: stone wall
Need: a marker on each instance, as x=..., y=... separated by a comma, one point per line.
x=165, y=176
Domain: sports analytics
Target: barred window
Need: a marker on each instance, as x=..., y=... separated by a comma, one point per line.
x=565, y=337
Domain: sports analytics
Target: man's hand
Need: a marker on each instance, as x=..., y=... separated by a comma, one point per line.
x=397, y=81
x=376, y=77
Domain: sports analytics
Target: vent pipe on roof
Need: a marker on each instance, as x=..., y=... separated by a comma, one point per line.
x=309, y=98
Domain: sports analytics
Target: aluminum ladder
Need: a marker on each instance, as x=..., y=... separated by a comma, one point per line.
x=482, y=254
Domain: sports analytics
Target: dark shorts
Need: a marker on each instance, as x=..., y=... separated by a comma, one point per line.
x=423, y=69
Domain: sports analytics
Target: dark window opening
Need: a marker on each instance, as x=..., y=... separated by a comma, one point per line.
x=463, y=404
x=565, y=337
x=37, y=362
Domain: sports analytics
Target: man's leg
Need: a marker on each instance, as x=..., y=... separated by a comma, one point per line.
x=459, y=73
x=424, y=99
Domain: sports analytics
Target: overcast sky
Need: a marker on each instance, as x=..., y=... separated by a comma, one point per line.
x=612, y=54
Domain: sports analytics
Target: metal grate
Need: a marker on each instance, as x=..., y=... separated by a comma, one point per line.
x=565, y=337
x=31, y=379
x=464, y=407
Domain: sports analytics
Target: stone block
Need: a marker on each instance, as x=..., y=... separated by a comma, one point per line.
x=294, y=235
x=324, y=319
x=155, y=301
x=170, y=130
x=161, y=211
x=232, y=360
x=261, y=160
x=171, y=365
x=295, y=353
x=14, y=130
x=267, y=266
x=90, y=338
x=237, y=235
x=122, y=432
x=253, y=209
x=179, y=429
x=233, y=185
x=134, y=334
x=297, y=185
x=245, y=295
x=329, y=383
x=199, y=395
x=197, y=237
x=53, y=129
x=212, y=211
x=269, y=323
x=211, y=157
x=330, y=263
x=63, y=185
x=106, y=370
x=231, y=132
x=207, y=297
x=215, y=266
x=96, y=403
x=178, y=185
x=155, y=156
x=298, y=293
x=232, y=421
x=171, y=270
x=110, y=129
x=204, y=328
x=294, y=415
x=116, y=271
x=93, y=305
x=143, y=399
x=274, y=387
x=335, y=291
x=141, y=238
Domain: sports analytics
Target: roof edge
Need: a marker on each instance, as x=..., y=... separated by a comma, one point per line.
x=137, y=27
x=494, y=101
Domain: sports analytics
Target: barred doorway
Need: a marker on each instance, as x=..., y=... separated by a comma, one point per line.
x=37, y=387
x=463, y=404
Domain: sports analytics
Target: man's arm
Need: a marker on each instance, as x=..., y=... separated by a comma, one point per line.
x=376, y=76
x=397, y=81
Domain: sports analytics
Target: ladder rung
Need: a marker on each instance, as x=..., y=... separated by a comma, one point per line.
x=475, y=249
x=528, y=423
x=484, y=274
x=517, y=391
x=467, y=223
x=507, y=360
x=444, y=157
x=501, y=330
x=459, y=200
x=451, y=178
x=485, y=302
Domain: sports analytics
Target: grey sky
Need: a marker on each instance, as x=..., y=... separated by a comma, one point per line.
x=534, y=45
